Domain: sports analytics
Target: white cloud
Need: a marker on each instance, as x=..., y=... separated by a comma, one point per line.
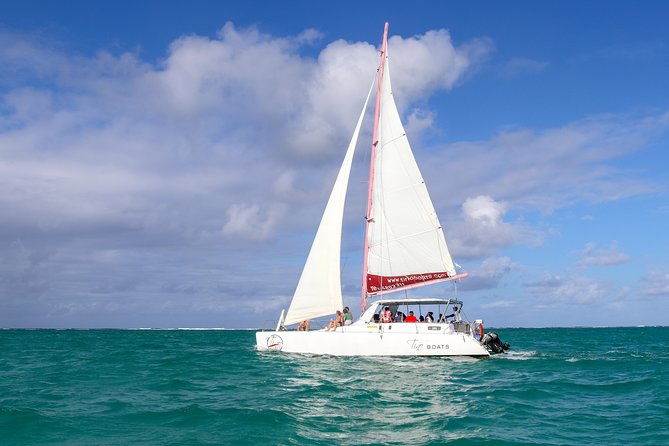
x=484, y=211
x=518, y=66
x=593, y=256
x=549, y=169
x=489, y=274
x=417, y=123
x=421, y=65
x=504, y=303
x=113, y=166
x=553, y=290
x=483, y=230
x=656, y=284
x=250, y=222
x=175, y=166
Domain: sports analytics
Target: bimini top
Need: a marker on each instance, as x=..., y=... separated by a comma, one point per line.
x=372, y=308
x=424, y=301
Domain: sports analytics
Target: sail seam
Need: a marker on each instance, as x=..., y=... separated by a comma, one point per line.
x=380, y=148
x=407, y=236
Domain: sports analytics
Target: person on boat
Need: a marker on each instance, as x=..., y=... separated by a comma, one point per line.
x=410, y=317
x=304, y=325
x=348, y=317
x=338, y=321
x=399, y=317
x=441, y=318
x=429, y=318
x=386, y=316
x=421, y=318
x=455, y=315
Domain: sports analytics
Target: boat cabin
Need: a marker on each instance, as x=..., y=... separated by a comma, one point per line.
x=439, y=309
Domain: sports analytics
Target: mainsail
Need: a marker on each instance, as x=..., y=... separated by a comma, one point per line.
x=405, y=242
x=318, y=292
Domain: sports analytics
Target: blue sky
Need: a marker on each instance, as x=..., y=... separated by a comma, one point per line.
x=165, y=164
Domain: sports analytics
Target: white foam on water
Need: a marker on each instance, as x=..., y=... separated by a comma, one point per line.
x=516, y=355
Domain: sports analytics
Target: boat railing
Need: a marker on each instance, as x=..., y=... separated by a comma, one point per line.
x=462, y=327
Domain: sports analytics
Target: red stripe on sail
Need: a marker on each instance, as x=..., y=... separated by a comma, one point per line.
x=396, y=282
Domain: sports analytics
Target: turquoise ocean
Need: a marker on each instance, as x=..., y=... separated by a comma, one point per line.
x=558, y=386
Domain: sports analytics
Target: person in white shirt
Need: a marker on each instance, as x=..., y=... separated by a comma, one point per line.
x=386, y=316
x=455, y=315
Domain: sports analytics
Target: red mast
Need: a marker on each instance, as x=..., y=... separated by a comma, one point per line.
x=375, y=140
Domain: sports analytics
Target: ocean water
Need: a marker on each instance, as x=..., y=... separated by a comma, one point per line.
x=591, y=386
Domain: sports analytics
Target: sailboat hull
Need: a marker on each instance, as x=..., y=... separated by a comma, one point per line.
x=399, y=339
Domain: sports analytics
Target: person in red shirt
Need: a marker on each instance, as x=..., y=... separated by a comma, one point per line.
x=410, y=317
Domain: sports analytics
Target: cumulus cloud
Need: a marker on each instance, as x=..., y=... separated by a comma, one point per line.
x=118, y=175
x=483, y=230
x=421, y=65
x=483, y=210
x=549, y=169
x=590, y=255
x=488, y=274
x=164, y=193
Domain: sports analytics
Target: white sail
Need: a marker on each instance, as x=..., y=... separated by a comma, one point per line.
x=318, y=292
x=406, y=243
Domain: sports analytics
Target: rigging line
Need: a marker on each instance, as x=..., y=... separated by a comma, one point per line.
x=364, y=204
x=409, y=186
x=392, y=141
x=375, y=135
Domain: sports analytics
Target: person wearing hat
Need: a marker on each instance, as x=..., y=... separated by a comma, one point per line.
x=455, y=315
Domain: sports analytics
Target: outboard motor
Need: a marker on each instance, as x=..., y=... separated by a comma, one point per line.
x=493, y=343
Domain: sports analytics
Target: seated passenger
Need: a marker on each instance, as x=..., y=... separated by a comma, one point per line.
x=441, y=318
x=429, y=318
x=338, y=321
x=421, y=319
x=399, y=317
x=386, y=316
x=304, y=325
x=410, y=317
x=348, y=317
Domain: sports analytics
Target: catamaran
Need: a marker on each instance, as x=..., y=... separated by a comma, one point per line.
x=404, y=248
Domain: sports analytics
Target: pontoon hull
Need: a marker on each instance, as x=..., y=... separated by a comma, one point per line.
x=350, y=342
